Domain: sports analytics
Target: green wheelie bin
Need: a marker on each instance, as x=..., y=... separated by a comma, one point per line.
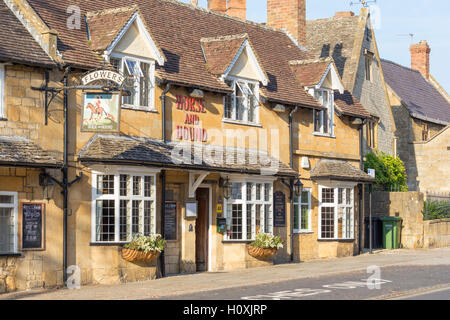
x=391, y=232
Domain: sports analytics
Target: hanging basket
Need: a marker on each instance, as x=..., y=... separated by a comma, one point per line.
x=139, y=256
x=261, y=253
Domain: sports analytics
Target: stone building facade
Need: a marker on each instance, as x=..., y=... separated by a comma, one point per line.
x=133, y=180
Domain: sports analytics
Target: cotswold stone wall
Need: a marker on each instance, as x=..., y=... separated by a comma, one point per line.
x=437, y=233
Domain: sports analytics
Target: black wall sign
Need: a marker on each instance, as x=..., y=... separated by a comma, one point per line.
x=32, y=226
x=279, y=209
x=170, y=230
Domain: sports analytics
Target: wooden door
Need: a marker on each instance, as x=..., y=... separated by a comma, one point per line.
x=201, y=230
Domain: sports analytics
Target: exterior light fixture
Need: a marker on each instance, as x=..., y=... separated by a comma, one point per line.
x=279, y=108
x=357, y=121
x=48, y=186
x=298, y=188
x=227, y=188
x=197, y=93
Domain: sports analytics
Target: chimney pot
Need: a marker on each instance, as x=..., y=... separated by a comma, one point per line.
x=219, y=6
x=237, y=8
x=420, y=58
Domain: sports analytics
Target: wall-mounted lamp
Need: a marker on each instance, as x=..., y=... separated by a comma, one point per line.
x=48, y=186
x=227, y=187
x=197, y=93
x=298, y=188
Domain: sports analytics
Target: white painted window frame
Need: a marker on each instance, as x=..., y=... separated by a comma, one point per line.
x=151, y=91
x=15, y=207
x=330, y=111
x=246, y=202
x=117, y=197
x=245, y=120
x=298, y=203
x=336, y=207
x=2, y=91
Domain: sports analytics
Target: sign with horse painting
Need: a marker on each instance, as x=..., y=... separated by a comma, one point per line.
x=101, y=112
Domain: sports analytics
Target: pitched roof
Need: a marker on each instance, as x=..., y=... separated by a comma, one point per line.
x=421, y=98
x=335, y=37
x=17, y=44
x=310, y=72
x=220, y=52
x=16, y=151
x=339, y=170
x=105, y=26
x=178, y=29
x=348, y=105
x=127, y=150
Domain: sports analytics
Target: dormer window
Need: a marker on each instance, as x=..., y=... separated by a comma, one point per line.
x=142, y=86
x=323, y=119
x=243, y=103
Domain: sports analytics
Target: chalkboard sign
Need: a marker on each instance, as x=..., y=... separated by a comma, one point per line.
x=170, y=230
x=279, y=209
x=32, y=226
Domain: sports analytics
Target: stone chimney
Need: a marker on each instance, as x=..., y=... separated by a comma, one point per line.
x=194, y=3
x=289, y=15
x=234, y=8
x=420, y=58
x=344, y=14
x=219, y=6
x=237, y=8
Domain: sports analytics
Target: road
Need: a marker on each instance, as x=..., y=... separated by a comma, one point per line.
x=408, y=282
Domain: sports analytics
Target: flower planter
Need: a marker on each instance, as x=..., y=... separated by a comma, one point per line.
x=139, y=256
x=261, y=253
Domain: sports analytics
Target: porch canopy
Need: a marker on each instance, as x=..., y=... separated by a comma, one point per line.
x=339, y=171
x=125, y=150
x=21, y=152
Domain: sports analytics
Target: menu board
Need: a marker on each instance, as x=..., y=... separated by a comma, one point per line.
x=170, y=229
x=32, y=226
x=279, y=209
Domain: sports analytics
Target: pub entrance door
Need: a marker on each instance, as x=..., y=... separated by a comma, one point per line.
x=201, y=230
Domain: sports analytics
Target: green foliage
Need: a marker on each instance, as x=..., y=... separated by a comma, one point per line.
x=390, y=172
x=436, y=210
x=267, y=241
x=147, y=244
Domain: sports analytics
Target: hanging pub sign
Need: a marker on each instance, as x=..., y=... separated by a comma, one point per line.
x=101, y=112
x=107, y=75
x=279, y=209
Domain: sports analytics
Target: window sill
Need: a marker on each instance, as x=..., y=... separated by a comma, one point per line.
x=10, y=254
x=242, y=123
x=140, y=108
x=237, y=241
x=304, y=232
x=318, y=134
x=107, y=244
x=336, y=240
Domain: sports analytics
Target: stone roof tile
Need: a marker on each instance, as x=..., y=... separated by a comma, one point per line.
x=340, y=171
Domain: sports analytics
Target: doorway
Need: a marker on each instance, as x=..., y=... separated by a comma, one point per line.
x=201, y=230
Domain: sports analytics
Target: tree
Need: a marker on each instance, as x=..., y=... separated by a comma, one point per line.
x=390, y=172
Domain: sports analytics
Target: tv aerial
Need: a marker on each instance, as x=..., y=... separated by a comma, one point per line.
x=411, y=35
x=364, y=3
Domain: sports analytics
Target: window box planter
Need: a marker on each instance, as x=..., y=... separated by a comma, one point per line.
x=261, y=253
x=139, y=256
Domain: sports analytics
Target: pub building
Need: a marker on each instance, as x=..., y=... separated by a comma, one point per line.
x=180, y=121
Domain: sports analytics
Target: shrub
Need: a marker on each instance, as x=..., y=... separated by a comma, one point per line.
x=147, y=243
x=267, y=241
x=434, y=210
x=390, y=172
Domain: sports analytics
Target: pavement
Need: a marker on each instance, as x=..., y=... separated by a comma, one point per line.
x=191, y=284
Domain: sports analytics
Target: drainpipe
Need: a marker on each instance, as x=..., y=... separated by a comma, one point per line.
x=361, y=189
x=291, y=162
x=163, y=177
x=65, y=172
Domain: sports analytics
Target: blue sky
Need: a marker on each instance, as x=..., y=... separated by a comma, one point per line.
x=426, y=19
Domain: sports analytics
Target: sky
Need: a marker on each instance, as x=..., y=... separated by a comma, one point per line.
x=426, y=19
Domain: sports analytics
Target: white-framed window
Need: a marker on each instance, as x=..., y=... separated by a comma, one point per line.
x=143, y=73
x=249, y=211
x=302, y=212
x=8, y=222
x=243, y=103
x=336, y=213
x=324, y=119
x=2, y=91
x=124, y=205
